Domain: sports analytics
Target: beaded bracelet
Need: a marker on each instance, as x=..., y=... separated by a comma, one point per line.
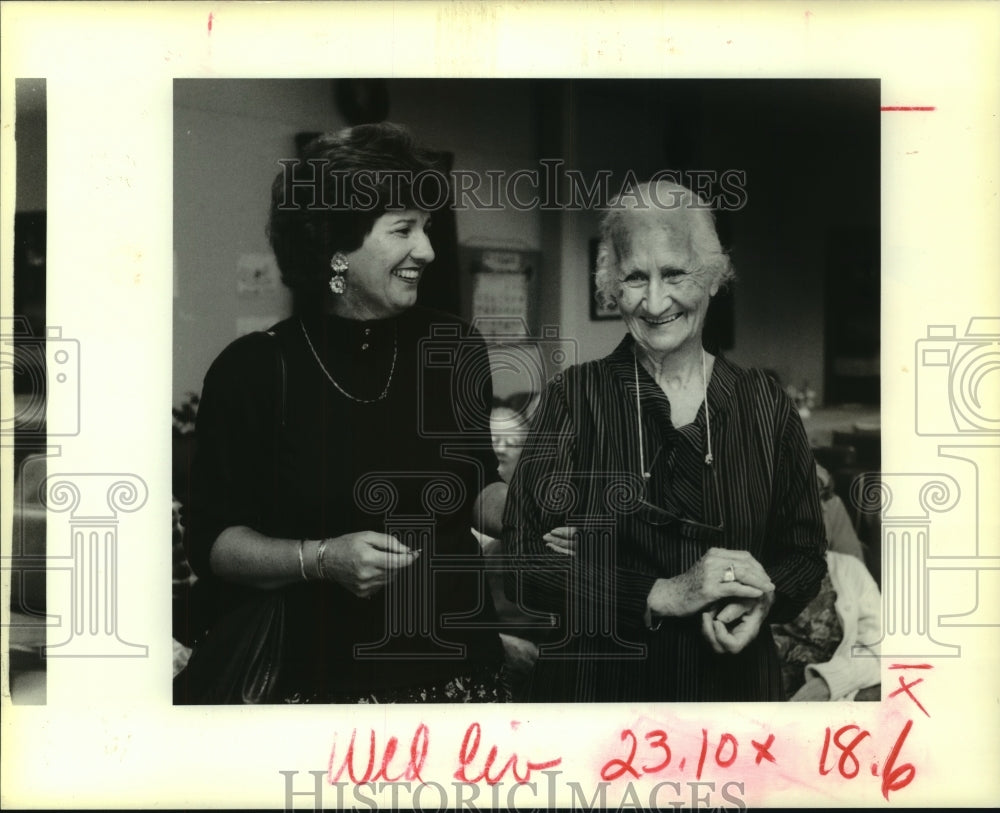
x=302, y=564
x=319, y=559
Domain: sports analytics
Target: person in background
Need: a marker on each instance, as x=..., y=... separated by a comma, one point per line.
x=840, y=534
x=508, y=429
x=520, y=631
x=830, y=652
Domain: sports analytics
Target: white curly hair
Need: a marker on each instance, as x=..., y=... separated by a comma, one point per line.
x=673, y=206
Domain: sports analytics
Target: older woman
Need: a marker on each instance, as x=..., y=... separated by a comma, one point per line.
x=334, y=467
x=680, y=487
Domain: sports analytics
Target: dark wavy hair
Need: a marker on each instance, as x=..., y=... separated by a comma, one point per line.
x=328, y=198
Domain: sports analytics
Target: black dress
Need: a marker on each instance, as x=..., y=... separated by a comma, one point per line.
x=316, y=464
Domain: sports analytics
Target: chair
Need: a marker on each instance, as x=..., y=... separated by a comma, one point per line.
x=867, y=445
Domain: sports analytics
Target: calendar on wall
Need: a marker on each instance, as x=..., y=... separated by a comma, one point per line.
x=500, y=282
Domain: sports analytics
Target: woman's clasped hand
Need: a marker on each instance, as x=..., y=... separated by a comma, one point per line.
x=732, y=610
x=705, y=584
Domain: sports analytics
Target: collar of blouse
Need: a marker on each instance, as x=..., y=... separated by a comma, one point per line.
x=335, y=336
x=721, y=384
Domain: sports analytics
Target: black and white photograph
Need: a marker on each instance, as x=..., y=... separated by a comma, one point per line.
x=584, y=405
x=371, y=513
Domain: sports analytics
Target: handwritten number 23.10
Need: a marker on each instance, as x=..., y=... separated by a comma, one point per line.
x=657, y=740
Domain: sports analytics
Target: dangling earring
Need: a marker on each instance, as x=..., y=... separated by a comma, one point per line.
x=338, y=265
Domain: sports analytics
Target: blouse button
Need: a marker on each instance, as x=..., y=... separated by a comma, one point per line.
x=364, y=346
x=368, y=331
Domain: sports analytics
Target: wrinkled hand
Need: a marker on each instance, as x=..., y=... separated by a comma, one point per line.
x=562, y=540
x=365, y=561
x=702, y=585
x=815, y=688
x=733, y=626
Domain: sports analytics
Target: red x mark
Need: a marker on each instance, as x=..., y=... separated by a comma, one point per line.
x=906, y=688
x=762, y=750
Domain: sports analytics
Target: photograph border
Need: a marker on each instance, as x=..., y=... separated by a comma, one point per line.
x=109, y=78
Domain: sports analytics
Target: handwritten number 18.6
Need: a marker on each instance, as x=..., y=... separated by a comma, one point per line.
x=848, y=765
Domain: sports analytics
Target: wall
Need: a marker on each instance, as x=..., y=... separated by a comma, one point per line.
x=228, y=136
x=811, y=153
x=487, y=125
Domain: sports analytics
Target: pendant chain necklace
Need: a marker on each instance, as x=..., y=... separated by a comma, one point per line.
x=340, y=389
x=709, y=458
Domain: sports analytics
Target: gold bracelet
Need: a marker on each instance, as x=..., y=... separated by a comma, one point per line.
x=319, y=559
x=302, y=564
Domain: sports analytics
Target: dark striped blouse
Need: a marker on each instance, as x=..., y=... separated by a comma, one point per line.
x=581, y=467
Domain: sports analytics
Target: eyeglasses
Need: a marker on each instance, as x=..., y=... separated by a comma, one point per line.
x=688, y=528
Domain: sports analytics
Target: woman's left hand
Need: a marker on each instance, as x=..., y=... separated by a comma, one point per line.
x=731, y=628
x=562, y=540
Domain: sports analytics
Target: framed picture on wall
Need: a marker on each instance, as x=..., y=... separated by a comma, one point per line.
x=598, y=310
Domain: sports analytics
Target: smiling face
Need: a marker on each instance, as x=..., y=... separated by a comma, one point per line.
x=384, y=273
x=664, y=295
